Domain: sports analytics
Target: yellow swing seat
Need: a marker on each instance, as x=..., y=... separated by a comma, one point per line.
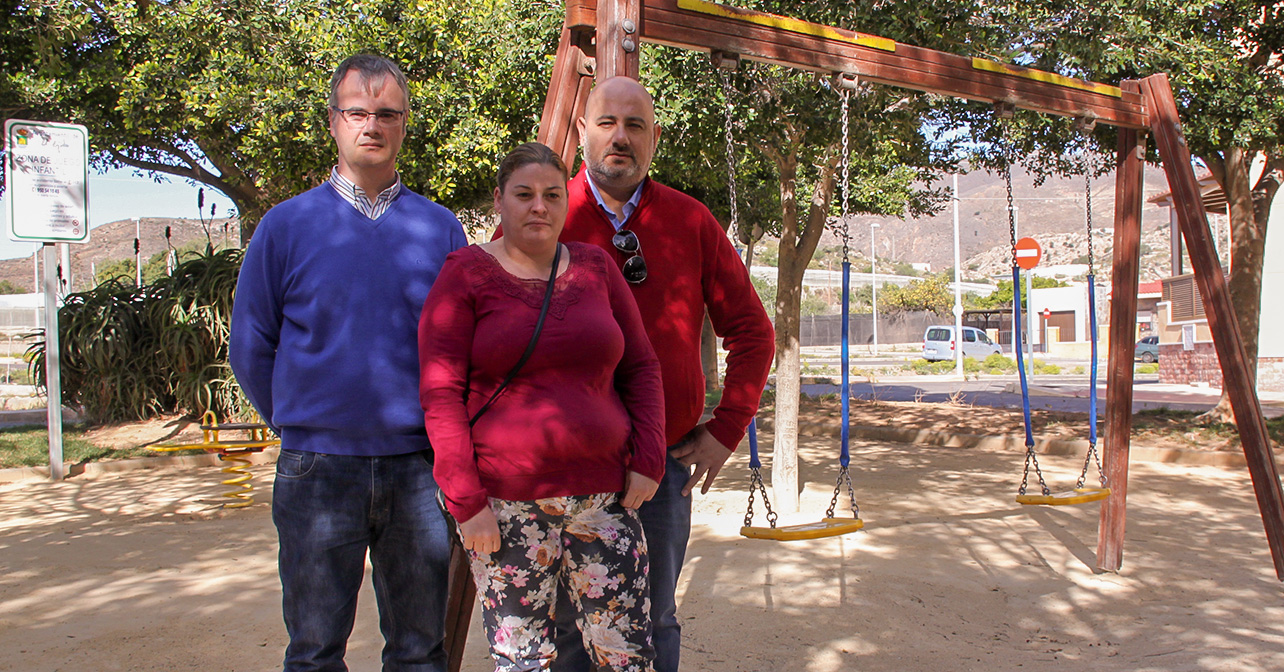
x=1076, y=496
x=827, y=527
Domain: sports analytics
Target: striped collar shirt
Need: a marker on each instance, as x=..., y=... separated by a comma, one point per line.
x=358, y=198
x=628, y=207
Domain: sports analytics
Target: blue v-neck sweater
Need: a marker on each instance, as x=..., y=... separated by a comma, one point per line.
x=324, y=325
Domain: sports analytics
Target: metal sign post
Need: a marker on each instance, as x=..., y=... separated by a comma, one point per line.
x=47, y=179
x=1028, y=253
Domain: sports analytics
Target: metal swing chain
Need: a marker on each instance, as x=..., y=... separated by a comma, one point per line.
x=844, y=475
x=755, y=483
x=1093, y=455
x=846, y=176
x=727, y=92
x=1030, y=456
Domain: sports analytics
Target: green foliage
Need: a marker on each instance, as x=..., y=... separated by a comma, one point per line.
x=1002, y=296
x=904, y=268
x=1148, y=368
x=813, y=303
x=29, y=447
x=767, y=253
x=233, y=94
x=767, y=292
x=131, y=353
x=7, y=287
x=1044, y=368
x=931, y=294
x=996, y=364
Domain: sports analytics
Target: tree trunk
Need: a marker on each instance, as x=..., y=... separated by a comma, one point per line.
x=798, y=240
x=1249, y=207
x=709, y=356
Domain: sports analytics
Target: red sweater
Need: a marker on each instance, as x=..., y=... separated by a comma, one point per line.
x=691, y=265
x=586, y=407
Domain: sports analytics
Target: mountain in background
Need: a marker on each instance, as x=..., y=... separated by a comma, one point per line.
x=114, y=242
x=1052, y=213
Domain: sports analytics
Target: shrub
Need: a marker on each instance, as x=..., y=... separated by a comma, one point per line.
x=131, y=353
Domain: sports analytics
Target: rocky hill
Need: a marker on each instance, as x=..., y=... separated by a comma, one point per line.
x=115, y=241
x=1052, y=213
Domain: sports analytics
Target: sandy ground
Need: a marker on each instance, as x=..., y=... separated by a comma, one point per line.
x=143, y=571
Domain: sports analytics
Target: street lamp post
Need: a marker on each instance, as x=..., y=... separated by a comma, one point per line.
x=958, y=291
x=873, y=279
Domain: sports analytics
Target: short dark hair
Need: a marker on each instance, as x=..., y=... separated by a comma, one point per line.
x=524, y=155
x=368, y=66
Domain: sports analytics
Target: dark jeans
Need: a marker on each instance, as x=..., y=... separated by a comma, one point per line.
x=329, y=510
x=666, y=520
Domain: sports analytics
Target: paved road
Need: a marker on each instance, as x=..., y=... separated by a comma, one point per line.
x=1059, y=393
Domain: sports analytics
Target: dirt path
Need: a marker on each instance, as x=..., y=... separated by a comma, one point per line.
x=141, y=571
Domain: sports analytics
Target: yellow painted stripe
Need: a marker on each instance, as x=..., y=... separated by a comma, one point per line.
x=1048, y=77
x=786, y=23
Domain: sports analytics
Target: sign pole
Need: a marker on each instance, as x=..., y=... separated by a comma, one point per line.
x=53, y=381
x=1029, y=302
x=47, y=179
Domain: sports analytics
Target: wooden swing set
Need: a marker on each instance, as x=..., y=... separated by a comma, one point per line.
x=602, y=39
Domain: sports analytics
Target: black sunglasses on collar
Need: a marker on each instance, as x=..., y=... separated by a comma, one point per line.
x=635, y=266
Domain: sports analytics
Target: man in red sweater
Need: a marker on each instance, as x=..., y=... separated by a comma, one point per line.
x=680, y=264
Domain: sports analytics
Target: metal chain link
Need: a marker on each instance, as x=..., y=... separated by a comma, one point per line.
x=1030, y=457
x=756, y=484
x=844, y=476
x=1007, y=180
x=1092, y=456
x=1087, y=194
x=728, y=91
x=846, y=164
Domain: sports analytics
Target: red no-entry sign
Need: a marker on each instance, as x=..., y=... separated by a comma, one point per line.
x=1028, y=253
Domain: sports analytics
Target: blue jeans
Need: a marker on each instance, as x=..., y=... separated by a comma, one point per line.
x=329, y=510
x=666, y=520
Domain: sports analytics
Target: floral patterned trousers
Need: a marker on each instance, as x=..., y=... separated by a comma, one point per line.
x=590, y=547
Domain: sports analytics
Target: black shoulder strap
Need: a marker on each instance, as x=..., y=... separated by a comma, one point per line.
x=530, y=347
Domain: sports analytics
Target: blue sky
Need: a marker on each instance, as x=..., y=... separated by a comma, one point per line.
x=120, y=194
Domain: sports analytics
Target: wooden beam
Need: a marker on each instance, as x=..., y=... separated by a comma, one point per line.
x=1124, y=279
x=704, y=26
x=619, y=38
x=1237, y=380
x=460, y=599
x=567, y=92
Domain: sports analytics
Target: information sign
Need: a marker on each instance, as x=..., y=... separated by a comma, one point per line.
x=47, y=181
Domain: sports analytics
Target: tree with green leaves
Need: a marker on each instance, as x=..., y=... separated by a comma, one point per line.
x=233, y=94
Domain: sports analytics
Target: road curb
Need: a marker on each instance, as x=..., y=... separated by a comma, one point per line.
x=1003, y=443
x=90, y=470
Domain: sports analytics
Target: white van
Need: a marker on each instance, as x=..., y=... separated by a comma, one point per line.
x=938, y=343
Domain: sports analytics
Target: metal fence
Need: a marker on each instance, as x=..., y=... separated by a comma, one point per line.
x=898, y=327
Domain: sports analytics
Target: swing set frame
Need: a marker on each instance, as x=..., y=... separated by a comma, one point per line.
x=602, y=39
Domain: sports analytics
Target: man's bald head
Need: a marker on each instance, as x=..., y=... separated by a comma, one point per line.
x=618, y=134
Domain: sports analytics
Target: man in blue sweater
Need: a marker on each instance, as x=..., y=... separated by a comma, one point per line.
x=324, y=345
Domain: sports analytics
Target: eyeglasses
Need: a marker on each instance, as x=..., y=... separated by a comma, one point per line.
x=635, y=266
x=358, y=117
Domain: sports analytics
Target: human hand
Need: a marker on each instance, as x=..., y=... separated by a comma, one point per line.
x=704, y=453
x=481, y=532
x=637, y=489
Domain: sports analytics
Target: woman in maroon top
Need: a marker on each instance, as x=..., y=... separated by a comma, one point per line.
x=546, y=482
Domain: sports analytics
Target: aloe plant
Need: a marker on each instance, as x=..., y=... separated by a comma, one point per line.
x=130, y=353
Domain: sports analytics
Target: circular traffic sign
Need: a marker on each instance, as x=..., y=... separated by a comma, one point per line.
x=1028, y=253
x=1047, y=313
